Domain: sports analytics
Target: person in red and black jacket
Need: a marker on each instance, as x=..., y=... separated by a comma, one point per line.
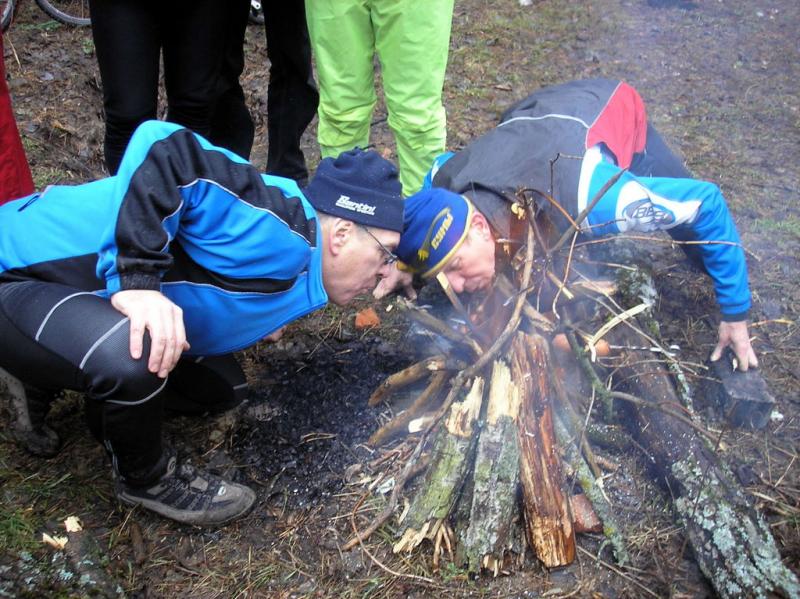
x=15, y=175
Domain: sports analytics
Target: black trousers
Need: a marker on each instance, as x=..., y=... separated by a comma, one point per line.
x=658, y=160
x=129, y=38
x=56, y=337
x=231, y=123
x=292, y=97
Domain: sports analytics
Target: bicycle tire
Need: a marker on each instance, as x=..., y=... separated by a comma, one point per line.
x=7, y=14
x=69, y=12
x=256, y=14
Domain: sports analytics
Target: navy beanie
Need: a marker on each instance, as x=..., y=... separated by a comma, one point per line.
x=360, y=186
x=436, y=223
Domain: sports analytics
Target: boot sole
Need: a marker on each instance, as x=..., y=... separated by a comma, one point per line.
x=188, y=517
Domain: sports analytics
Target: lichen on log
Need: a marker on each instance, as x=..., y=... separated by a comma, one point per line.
x=588, y=483
x=488, y=533
x=732, y=545
x=451, y=455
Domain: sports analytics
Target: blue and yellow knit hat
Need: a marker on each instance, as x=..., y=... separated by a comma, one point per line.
x=435, y=224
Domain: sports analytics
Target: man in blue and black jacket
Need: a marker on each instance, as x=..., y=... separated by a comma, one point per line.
x=569, y=141
x=138, y=287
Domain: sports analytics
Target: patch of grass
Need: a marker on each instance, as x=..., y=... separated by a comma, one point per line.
x=42, y=177
x=17, y=529
x=51, y=25
x=450, y=573
x=788, y=225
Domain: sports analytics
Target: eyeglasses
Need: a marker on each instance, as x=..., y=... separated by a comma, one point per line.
x=391, y=257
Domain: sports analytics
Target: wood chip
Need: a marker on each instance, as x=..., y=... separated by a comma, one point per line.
x=54, y=542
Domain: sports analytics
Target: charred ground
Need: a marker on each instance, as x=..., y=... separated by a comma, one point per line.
x=721, y=81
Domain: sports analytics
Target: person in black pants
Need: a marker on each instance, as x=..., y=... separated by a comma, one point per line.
x=231, y=124
x=129, y=37
x=292, y=97
x=140, y=286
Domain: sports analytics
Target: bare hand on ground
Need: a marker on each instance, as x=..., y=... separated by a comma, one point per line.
x=736, y=335
x=153, y=312
x=397, y=279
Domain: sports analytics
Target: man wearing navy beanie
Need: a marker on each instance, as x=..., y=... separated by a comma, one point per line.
x=137, y=288
x=466, y=225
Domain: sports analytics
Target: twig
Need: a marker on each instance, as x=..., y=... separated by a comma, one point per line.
x=537, y=319
x=429, y=321
x=396, y=424
x=374, y=559
x=598, y=196
x=619, y=572
x=405, y=377
x=660, y=406
x=444, y=283
x=668, y=241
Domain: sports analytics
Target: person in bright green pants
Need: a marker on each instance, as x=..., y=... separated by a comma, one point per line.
x=411, y=39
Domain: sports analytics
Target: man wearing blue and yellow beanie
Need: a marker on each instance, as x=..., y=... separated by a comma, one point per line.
x=453, y=226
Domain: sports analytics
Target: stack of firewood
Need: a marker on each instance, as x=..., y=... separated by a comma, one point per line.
x=503, y=445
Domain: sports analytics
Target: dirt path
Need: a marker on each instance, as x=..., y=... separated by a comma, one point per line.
x=722, y=82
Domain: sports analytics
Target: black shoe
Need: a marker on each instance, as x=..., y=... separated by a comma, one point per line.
x=191, y=496
x=29, y=407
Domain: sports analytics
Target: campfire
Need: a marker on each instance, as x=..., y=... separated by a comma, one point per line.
x=502, y=459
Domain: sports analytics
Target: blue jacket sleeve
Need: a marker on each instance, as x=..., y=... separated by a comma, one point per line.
x=163, y=186
x=689, y=210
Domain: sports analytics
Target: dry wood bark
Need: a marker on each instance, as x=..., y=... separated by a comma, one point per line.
x=547, y=519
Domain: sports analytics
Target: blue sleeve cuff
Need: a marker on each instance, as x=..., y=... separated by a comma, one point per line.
x=737, y=317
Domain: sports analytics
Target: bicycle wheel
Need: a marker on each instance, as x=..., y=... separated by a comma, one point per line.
x=70, y=12
x=256, y=14
x=7, y=8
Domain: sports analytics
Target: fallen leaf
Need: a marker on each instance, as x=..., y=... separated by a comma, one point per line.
x=367, y=318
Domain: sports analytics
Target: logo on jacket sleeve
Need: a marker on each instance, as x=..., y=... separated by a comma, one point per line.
x=348, y=204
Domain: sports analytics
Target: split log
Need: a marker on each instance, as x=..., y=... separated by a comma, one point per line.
x=732, y=544
x=488, y=530
x=547, y=519
x=572, y=441
x=451, y=456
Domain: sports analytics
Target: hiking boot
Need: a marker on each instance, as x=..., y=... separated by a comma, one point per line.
x=29, y=407
x=189, y=495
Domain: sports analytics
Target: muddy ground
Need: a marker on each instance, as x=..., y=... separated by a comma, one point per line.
x=722, y=83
